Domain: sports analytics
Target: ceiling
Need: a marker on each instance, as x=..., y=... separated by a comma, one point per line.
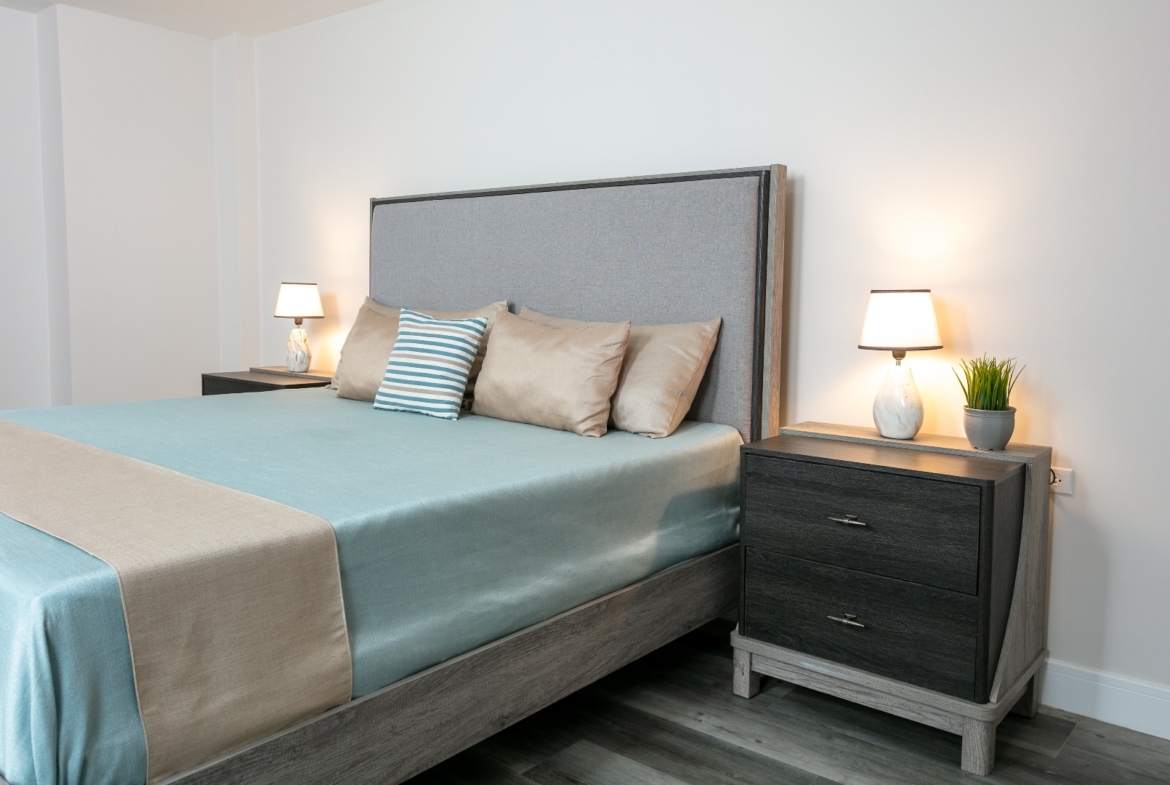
x=210, y=18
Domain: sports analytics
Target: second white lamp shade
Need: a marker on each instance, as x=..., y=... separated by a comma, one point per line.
x=900, y=320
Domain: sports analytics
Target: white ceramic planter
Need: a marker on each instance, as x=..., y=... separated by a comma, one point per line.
x=988, y=430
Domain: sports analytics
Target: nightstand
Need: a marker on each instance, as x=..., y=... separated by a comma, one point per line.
x=260, y=380
x=907, y=576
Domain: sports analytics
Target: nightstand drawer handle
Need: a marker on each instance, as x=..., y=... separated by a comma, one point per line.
x=849, y=519
x=848, y=618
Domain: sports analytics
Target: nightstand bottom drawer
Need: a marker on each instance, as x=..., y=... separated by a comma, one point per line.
x=906, y=631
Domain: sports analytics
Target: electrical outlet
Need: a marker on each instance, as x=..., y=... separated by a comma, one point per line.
x=1062, y=480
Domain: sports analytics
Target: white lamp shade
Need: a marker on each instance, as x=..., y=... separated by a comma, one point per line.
x=900, y=320
x=299, y=301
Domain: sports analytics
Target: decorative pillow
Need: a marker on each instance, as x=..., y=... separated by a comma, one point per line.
x=429, y=364
x=367, y=347
x=552, y=376
x=661, y=373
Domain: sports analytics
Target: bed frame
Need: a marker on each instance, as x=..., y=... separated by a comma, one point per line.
x=675, y=248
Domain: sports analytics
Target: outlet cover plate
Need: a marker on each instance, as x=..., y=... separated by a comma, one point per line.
x=1062, y=481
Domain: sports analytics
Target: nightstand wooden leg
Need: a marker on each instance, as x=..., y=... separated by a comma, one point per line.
x=978, y=746
x=1029, y=702
x=744, y=683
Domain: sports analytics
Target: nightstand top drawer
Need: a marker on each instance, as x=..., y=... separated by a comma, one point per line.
x=955, y=468
x=914, y=529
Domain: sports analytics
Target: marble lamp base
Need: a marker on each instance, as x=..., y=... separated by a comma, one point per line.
x=299, y=355
x=897, y=409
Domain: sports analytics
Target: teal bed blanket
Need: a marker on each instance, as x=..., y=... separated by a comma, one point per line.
x=449, y=535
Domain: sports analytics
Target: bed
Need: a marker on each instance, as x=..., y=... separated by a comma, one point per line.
x=541, y=563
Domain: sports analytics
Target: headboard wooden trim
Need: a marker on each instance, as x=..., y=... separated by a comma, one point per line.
x=773, y=371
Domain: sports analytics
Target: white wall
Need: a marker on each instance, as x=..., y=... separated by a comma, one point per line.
x=109, y=265
x=137, y=108
x=24, y=328
x=53, y=191
x=1011, y=156
x=236, y=182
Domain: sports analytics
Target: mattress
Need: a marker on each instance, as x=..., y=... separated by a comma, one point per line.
x=450, y=535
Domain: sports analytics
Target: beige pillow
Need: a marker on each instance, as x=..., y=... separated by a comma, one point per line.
x=367, y=348
x=558, y=377
x=663, y=368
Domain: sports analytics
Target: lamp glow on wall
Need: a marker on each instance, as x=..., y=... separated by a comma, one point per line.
x=298, y=301
x=899, y=321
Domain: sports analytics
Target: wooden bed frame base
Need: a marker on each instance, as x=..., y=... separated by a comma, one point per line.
x=390, y=735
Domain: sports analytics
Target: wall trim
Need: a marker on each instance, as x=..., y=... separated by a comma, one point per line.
x=53, y=197
x=1107, y=697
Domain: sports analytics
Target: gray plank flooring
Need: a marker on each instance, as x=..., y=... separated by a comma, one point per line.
x=670, y=719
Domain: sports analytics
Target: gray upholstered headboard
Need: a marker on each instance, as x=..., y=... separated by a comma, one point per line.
x=654, y=250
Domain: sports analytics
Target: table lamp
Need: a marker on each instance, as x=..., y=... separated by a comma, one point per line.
x=298, y=301
x=899, y=321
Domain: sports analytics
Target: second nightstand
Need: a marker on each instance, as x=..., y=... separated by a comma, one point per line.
x=900, y=575
x=259, y=380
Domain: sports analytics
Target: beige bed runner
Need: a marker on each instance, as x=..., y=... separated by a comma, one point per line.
x=233, y=602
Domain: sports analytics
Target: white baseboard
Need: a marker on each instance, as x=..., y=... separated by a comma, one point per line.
x=1104, y=696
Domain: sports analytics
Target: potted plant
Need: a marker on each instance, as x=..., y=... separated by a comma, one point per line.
x=987, y=384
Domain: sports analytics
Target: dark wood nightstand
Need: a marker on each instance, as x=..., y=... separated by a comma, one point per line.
x=260, y=380
x=890, y=573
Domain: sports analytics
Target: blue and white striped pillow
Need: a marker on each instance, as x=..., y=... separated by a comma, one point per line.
x=429, y=364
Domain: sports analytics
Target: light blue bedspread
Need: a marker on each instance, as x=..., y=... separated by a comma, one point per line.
x=450, y=535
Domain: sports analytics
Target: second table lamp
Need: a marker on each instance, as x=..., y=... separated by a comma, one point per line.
x=899, y=321
x=298, y=301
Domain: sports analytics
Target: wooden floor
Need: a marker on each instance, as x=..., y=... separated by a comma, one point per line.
x=670, y=718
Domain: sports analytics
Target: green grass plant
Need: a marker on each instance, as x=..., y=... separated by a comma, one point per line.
x=987, y=382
